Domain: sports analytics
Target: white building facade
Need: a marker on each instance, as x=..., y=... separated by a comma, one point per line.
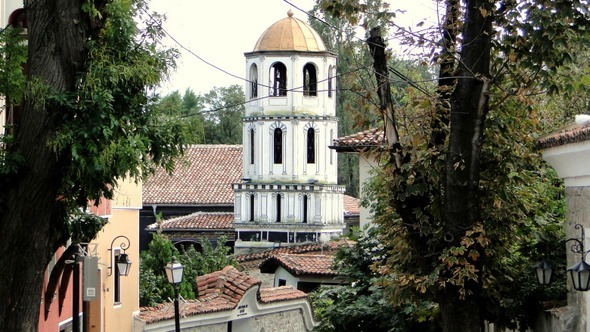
x=289, y=191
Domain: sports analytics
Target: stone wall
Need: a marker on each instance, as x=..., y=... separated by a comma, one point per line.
x=286, y=321
x=208, y=328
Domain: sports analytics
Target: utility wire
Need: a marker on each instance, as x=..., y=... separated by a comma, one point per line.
x=392, y=70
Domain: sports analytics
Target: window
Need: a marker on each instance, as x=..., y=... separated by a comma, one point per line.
x=282, y=282
x=304, y=208
x=116, y=279
x=253, y=81
x=251, y=207
x=278, y=77
x=310, y=146
x=330, y=83
x=310, y=80
x=251, y=146
x=278, y=146
x=331, y=140
x=278, y=208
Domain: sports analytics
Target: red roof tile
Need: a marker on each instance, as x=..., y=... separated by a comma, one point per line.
x=283, y=293
x=205, y=177
x=198, y=220
x=228, y=283
x=219, y=291
x=365, y=139
x=253, y=260
x=300, y=264
x=572, y=133
x=351, y=205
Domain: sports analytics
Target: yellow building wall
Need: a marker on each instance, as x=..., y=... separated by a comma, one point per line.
x=104, y=314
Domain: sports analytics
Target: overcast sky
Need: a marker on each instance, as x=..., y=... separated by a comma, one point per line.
x=221, y=31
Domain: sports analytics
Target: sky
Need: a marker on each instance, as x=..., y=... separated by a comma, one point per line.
x=221, y=31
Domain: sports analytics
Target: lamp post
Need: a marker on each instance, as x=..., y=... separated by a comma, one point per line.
x=579, y=273
x=123, y=262
x=174, y=274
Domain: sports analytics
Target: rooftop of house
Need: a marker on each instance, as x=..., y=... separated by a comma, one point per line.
x=220, y=291
x=203, y=177
x=197, y=220
x=300, y=265
x=351, y=205
x=370, y=138
x=574, y=132
x=253, y=260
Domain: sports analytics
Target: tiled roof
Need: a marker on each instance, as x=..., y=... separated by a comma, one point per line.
x=572, y=133
x=219, y=291
x=365, y=139
x=300, y=264
x=229, y=284
x=282, y=293
x=253, y=260
x=204, y=177
x=198, y=220
x=351, y=205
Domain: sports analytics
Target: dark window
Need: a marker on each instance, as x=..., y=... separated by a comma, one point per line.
x=252, y=207
x=305, y=237
x=330, y=82
x=253, y=81
x=278, y=74
x=282, y=282
x=310, y=80
x=277, y=237
x=307, y=286
x=229, y=326
x=305, y=208
x=251, y=146
x=310, y=146
x=116, y=281
x=249, y=236
x=278, y=208
x=278, y=146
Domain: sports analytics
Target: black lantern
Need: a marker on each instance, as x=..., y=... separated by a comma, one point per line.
x=122, y=260
x=579, y=273
x=544, y=272
x=123, y=265
x=580, y=276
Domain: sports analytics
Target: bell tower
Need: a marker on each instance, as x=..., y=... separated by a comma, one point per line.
x=289, y=192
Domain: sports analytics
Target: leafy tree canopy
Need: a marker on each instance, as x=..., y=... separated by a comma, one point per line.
x=154, y=286
x=464, y=196
x=84, y=119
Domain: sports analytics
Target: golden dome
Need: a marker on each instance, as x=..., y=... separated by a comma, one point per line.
x=290, y=34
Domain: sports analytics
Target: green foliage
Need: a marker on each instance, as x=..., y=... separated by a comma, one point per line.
x=13, y=55
x=224, y=109
x=83, y=226
x=154, y=285
x=185, y=107
x=362, y=304
x=110, y=127
x=484, y=148
x=215, y=117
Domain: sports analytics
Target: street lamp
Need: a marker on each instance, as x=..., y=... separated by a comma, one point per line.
x=579, y=273
x=174, y=274
x=123, y=262
x=544, y=272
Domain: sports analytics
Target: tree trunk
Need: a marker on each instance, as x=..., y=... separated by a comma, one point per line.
x=30, y=211
x=469, y=106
